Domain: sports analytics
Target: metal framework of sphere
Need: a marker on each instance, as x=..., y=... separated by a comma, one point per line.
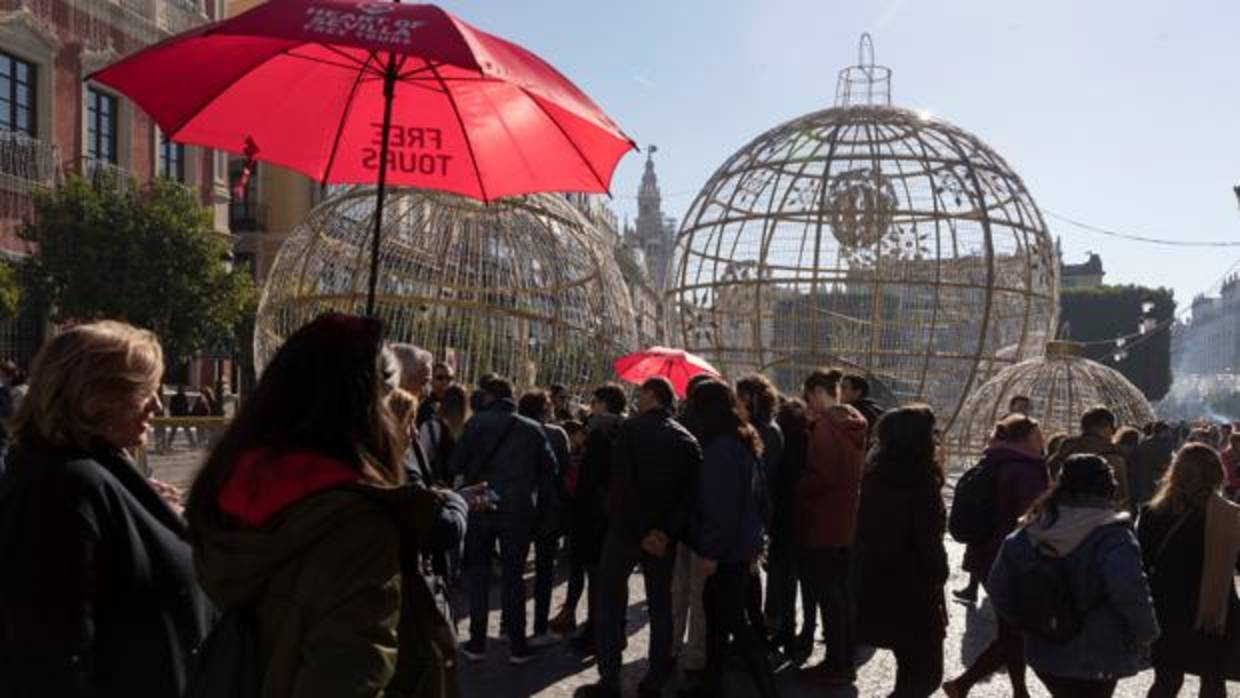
x=868, y=237
x=1061, y=386
x=524, y=287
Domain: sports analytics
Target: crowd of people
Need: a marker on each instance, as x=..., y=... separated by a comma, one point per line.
x=360, y=484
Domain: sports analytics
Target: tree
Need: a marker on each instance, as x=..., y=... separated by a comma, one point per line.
x=1107, y=312
x=145, y=255
x=10, y=291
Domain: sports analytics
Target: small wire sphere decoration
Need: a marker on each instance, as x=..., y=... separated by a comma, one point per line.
x=524, y=287
x=871, y=238
x=1061, y=386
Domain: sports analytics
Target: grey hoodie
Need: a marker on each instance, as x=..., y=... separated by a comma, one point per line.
x=1071, y=528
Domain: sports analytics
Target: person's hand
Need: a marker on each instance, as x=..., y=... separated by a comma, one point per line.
x=170, y=494
x=476, y=496
x=655, y=543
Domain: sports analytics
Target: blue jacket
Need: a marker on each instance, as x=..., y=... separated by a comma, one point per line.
x=727, y=525
x=1104, y=562
x=522, y=467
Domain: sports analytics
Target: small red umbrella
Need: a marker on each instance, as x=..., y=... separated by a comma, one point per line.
x=676, y=365
x=333, y=88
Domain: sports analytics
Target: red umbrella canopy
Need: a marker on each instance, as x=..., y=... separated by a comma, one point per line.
x=302, y=84
x=676, y=365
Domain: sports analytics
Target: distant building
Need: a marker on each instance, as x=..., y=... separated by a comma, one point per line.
x=1087, y=275
x=1209, y=342
x=653, y=232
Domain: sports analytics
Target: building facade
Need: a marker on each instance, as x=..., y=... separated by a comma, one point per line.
x=1087, y=275
x=54, y=122
x=1209, y=341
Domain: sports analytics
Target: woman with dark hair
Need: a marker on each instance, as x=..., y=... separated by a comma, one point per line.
x=900, y=528
x=97, y=590
x=1016, y=451
x=1076, y=524
x=307, y=483
x=1190, y=538
x=727, y=535
x=757, y=398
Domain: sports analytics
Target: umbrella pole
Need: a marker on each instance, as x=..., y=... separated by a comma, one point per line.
x=389, y=93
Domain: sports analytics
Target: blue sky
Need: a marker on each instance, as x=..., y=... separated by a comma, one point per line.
x=1125, y=115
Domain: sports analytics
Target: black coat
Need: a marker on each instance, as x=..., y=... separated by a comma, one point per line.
x=1147, y=466
x=1175, y=581
x=903, y=563
x=783, y=481
x=588, y=523
x=655, y=465
x=97, y=591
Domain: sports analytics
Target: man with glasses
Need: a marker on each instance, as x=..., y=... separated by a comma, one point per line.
x=442, y=376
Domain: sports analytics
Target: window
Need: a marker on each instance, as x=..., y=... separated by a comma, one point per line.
x=171, y=159
x=17, y=95
x=101, y=117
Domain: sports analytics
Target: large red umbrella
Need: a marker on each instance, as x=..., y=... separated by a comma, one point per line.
x=676, y=365
x=333, y=88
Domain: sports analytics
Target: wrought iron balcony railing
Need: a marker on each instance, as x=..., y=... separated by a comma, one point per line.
x=27, y=162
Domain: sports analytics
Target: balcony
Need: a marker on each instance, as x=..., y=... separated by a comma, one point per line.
x=176, y=16
x=27, y=163
x=146, y=20
x=104, y=175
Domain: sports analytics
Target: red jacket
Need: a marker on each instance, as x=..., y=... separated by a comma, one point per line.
x=1232, y=464
x=828, y=493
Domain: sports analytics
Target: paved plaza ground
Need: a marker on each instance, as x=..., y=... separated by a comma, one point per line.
x=558, y=673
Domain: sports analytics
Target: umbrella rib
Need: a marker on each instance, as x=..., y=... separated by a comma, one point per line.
x=589, y=165
x=312, y=59
x=428, y=85
x=344, y=116
x=469, y=145
x=352, y=59
x=429, y=66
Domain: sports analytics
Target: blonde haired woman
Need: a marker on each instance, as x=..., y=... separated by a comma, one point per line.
x=97, y=593
x=1190, y=540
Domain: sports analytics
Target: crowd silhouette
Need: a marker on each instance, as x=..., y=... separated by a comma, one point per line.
x=360, y=490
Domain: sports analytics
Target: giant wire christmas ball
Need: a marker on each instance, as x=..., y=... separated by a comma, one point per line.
x=1061, y=386
x=871, y=238
x=525, y=287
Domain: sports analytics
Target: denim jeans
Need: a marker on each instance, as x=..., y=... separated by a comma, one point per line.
x=512, y=532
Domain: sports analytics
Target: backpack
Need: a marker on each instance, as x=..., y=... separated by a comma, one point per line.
x=226, y=664
x=1043, y=603
x=972, y=518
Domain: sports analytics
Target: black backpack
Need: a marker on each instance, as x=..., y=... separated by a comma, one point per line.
x=972, y=519
x=226, y=664
x=1043, y=603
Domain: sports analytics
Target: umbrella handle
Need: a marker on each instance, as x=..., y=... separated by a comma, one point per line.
x=389, y=93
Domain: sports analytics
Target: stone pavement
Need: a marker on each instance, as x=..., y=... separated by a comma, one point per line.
x=558, y=673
